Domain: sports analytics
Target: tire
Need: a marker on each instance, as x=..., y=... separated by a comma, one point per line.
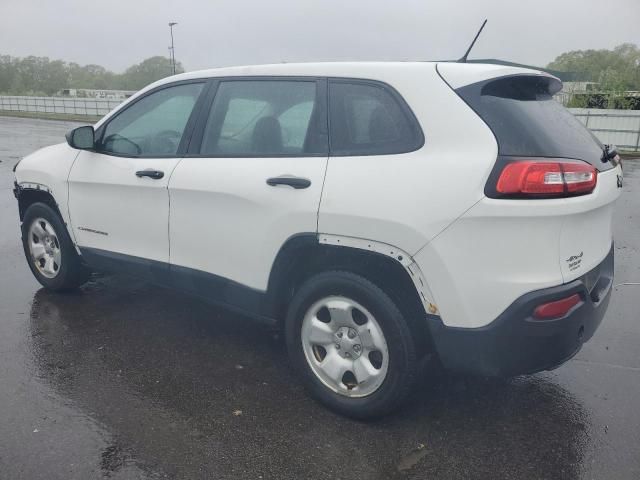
x=51, y=242
x=358, y=308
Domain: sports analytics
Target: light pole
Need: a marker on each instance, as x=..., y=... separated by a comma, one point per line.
x=173, y=52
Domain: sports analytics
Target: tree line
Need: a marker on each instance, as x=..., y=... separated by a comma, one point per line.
x=42, y=76
x=616, y=72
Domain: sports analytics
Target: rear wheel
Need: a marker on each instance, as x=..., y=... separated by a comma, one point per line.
x=50, y=252
x=351, y=345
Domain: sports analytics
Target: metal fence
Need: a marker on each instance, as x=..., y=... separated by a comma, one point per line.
x=65, y=105
x=617, y=127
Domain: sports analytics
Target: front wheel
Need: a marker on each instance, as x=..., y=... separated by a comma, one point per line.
x=49, y=250
x=351, y=345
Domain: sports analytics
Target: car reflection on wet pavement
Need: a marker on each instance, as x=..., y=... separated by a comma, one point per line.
x=126, y=380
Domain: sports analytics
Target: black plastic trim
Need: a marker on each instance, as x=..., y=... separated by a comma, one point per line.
x=268, y=306
x=206, y=286
x=33, y=195
x=107, y=261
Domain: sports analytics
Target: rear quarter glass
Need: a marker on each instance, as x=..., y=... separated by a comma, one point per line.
x=528, y=122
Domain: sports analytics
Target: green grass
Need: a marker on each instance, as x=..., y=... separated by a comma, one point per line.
x=51, y=116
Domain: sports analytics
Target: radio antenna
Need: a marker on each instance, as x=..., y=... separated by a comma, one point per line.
x=464, y=57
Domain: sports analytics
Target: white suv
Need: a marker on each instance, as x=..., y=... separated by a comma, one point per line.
x=382, y=213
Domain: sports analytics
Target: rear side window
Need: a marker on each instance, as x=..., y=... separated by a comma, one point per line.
x=252, y=118
x=370, y=119
x=528, y=122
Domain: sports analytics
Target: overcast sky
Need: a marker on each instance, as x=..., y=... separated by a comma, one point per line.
x=118, y=33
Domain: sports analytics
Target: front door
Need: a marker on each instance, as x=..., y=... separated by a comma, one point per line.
x=253, y=180
x=118, y=197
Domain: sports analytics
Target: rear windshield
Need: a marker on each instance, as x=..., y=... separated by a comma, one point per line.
x=527, y=121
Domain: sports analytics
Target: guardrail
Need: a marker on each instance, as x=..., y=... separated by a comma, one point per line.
x=618, y=127
x=62, y=105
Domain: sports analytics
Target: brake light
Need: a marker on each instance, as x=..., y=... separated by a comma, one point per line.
x=557, y=309
x=547, y=178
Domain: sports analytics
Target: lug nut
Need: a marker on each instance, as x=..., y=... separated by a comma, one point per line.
x=337, y=346
x=348, y=355
x=352, y=334
x=356, y=348
x=339, y=334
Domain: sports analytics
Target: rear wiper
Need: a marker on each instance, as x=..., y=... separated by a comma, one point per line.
x=609, y=152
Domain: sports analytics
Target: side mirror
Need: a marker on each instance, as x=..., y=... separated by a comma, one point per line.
x=81, y=138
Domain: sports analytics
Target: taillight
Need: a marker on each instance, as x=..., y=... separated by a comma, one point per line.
x=557, y=309
x=546, y=178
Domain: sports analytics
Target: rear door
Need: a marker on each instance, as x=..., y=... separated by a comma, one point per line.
x=118, y=198
x=252, y=179
x=375, y=187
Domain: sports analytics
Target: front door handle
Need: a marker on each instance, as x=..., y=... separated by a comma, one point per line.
x=295, y=182
x=155, y=174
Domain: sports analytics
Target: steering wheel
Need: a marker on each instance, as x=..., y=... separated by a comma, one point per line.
x=115, y=137
x=166, y=142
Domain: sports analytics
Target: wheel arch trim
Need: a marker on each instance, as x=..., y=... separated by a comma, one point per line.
x=399, y=255
x=22, y=187
x=284, y=263
x=43, y=191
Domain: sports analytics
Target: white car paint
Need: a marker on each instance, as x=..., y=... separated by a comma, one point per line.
x=476, y=254
x=114, y=210
x=49, y=168
x=405, y=200
x=501, y=249
x=226, y=220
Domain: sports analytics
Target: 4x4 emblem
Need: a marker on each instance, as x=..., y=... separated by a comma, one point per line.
x=619, y=181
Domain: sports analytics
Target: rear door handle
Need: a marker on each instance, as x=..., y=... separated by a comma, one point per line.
x=155, y=174
x=295, y=182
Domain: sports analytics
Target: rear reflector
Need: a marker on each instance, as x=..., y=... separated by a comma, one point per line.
x=557, y=309
x=547, y=178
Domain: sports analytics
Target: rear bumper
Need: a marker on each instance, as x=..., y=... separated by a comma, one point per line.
x=515, y=343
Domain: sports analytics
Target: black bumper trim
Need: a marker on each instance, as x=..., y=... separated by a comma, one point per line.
x=515, y=343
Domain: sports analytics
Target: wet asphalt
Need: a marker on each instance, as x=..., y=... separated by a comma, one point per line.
x=124, y=380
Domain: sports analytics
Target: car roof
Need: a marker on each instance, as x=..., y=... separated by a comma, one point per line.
x=312, y=69
x=373, y=70
x=456, y=74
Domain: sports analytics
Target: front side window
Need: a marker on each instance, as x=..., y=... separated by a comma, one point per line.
x=366, y=119
x=262, y=118
x=153, y=125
